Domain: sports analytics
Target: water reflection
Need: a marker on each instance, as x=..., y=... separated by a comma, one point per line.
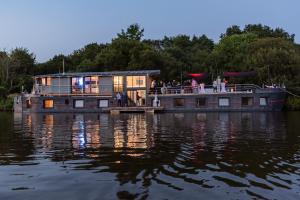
x=190, y=155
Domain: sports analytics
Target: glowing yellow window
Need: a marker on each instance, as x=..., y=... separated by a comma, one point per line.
x=136, y=81
x=48, y=103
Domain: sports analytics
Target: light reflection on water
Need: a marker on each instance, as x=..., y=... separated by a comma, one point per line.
x=155, y=156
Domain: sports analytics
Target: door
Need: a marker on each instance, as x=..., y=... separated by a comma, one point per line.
x=136, y=97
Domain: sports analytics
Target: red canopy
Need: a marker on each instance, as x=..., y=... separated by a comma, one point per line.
x=239, y=74
x=197, y=75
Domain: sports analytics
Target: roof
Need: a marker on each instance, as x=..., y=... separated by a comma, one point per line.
x=111, y=73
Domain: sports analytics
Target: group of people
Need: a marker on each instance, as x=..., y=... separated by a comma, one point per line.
x=218, y=85
x=191, y=85
x=122, y=99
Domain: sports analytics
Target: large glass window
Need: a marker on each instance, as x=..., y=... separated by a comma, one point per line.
x=136, y=81
x=77, y=85
x=118, y=83
x=136, y=97
x=91, y=84
x=46, y=81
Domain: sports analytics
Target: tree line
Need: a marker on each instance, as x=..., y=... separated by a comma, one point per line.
x=271, y=53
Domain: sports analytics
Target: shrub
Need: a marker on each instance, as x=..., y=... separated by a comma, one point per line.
x=293, y=103
x=6, y=104
x=3, y=92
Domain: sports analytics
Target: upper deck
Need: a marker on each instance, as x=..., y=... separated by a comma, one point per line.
x=92, y=83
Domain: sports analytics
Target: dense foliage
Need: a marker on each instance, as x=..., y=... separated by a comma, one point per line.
x=272, y=53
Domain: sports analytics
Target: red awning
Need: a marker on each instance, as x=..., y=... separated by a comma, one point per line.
x=239, y=74
x=197, y=75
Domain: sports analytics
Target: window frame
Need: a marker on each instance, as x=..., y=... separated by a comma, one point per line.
x=100, y=100
x=197, y=102
x=74, y=103
x=131, y=84
x=266, y=101
x=220, y=98
x=44, y=103
x=252, y=102
x=177, y=105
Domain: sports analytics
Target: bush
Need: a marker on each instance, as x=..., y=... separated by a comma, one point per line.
x=3, y=92
x=293, y=103
x=6, y=104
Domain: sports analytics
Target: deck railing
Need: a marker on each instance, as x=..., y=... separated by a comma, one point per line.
x=208, y=89
x=72, y=90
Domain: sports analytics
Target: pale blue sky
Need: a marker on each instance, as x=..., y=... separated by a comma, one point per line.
x=49, y=27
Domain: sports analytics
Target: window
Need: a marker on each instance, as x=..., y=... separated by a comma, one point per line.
x=78, y=103
x=103, y=103
x=136, y=81
x=91, y=84
x=179, y=102
x=223, y=102
x=200, y=102
x=77, y=85
x=247, y=101
x=263, y=101
x=48, y=103
x=46, y=81
x=118, y=83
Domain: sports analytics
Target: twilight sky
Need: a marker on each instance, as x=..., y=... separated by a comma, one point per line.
x=49, y=27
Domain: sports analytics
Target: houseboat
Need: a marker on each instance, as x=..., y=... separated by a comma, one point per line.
x=103, y=91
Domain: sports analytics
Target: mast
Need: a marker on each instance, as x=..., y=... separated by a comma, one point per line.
x=63, y=66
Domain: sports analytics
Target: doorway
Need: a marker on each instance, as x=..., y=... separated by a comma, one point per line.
x=136, y=97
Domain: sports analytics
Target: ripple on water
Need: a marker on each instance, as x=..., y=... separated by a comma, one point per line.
x=155, y=156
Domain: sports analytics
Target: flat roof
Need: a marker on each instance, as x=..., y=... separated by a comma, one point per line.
x=109, y=73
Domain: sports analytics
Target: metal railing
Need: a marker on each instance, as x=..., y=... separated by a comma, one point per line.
x=72, y=90
x=208, y=89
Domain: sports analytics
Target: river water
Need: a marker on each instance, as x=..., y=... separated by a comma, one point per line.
x=150, y=156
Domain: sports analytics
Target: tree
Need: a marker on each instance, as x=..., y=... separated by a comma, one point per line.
x=275, y=59
x=133, y=32
x=232, y=30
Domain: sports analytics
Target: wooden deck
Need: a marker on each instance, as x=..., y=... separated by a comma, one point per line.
x=141, y=109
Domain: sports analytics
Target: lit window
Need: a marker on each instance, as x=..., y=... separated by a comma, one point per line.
x=136, y=81
x=78, y=103
x=91, y=84
x=103, y=103
x=46, y=81
x=247, y=101
x=118, y=83
x=224, y=102
x=48, y=103
x=77, y=84
x=263, y=101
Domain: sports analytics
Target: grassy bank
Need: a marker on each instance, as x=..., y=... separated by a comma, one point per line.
x=6, y=104
x=292, y=104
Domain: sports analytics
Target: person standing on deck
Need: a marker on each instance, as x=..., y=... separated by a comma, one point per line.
x=215, y=86
x=119, y=99
x=219, y=84
x=124, y=99
x=138, y=98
